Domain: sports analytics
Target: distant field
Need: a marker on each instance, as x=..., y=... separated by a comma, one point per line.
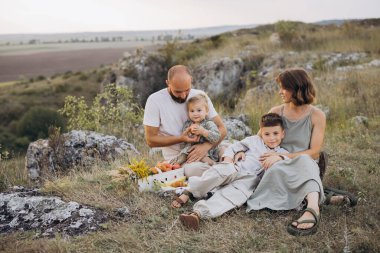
x=47, y=60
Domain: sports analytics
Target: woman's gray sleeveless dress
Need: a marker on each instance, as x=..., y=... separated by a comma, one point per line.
x=286, y=183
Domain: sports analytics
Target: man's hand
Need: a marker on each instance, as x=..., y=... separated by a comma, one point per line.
x=239, y=156
x=188, y=137
x=198, y=151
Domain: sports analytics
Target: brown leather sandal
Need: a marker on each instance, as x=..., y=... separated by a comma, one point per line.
x=190, y=220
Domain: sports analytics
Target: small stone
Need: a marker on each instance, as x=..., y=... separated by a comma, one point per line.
x=18, y=188
x=123, y=211
x=86, y=212
x=360, y=121
x=14, y=222
x=35, y=224
x=76, y=224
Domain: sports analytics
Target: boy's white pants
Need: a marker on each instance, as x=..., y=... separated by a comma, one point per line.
x=235, y=189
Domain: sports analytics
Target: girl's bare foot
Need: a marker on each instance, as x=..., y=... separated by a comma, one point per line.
x=180, y=201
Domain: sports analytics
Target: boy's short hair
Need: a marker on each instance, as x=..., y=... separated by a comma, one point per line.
x=271, y=119
x=198, y=98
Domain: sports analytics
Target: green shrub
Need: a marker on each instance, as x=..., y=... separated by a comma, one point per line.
x=36, y=122
x=67, y=74
x=216, y=40
x=62, y=88
x=40, y=78
x=131, y=72
x=83, y=77
x=78, y=89
x=287, y=31
x=112, y=111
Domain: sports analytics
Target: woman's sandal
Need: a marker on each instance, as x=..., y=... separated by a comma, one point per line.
x=293, y=230
x=348, y=198
x=190, y=220
x=179, y=202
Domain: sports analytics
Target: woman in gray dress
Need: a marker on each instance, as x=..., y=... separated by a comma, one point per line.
x=287, y=183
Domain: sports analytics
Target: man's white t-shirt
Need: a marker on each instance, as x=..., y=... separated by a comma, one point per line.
x=163, y=112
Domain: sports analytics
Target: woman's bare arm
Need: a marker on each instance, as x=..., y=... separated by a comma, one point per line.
x=318, y=120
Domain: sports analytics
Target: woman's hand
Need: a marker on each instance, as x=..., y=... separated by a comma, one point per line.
x=264, y=156
x=270, y=160
x=239, y=156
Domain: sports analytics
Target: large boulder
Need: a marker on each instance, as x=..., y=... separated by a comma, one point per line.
x=76, y=148
x=236, y=127
x=24, y=209
x=220, y=78
x=142, y=72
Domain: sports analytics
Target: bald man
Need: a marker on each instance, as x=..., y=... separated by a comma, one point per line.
x=165, y=113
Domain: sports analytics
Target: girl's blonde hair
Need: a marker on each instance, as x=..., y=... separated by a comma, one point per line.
x=198, y=98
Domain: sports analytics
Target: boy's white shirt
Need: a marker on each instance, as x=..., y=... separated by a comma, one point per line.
x=254, y=147
x=163, y=112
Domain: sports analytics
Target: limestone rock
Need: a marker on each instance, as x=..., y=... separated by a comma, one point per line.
x=25, y=209
x=220, y=78
x=143, y=72
x=236, y=128
x=360, y=121
x=77, y=148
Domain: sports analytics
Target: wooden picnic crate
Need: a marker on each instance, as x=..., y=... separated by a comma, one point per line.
x=148, y=183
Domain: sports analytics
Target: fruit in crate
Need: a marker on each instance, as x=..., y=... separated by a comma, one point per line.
x=164, y=166
x=179, y=182
x=176, y=166
x=154, y=170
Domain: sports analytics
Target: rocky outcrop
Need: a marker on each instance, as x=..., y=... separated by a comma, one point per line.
x=23, y=209
x=220, y=78
x=236, y=127
x=76, y=148
x=143, y=72
x=371, y=64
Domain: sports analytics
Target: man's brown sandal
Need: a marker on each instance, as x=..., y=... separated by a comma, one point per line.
x=190, y=220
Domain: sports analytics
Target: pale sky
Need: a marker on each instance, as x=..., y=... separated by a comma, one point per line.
x=61, y=16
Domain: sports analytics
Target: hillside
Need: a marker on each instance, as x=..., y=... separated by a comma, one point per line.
x=237, y=69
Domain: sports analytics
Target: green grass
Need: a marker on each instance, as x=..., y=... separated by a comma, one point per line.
x=154, y=227
x=5, y=84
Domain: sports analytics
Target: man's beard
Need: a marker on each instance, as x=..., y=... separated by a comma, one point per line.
x=178, y=100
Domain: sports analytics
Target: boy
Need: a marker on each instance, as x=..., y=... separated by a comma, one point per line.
x=237, y=176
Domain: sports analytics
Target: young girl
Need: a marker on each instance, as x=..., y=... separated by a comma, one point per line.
x=198, y=125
